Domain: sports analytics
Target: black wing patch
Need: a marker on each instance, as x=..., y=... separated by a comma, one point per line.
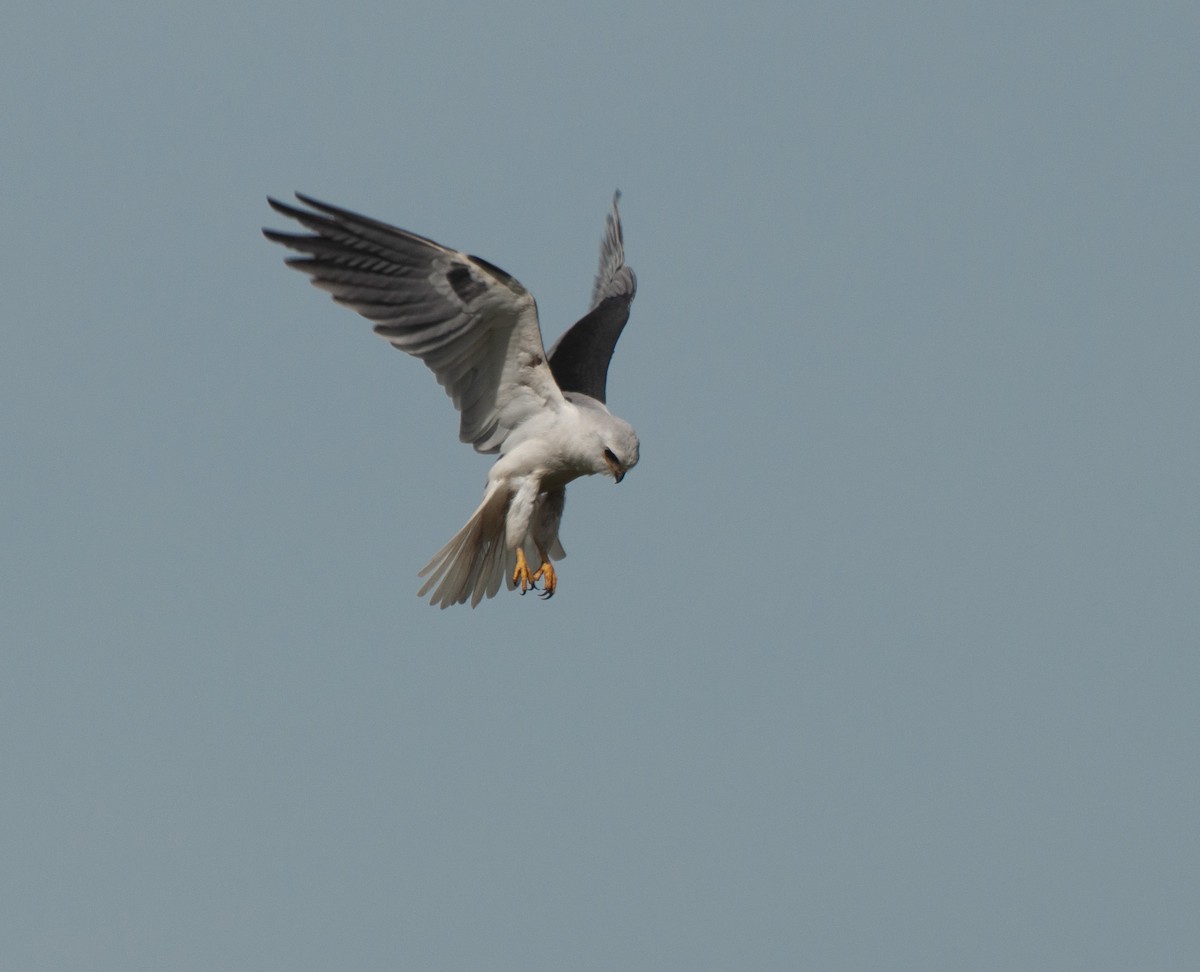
x=579, y=361
x=466, y=286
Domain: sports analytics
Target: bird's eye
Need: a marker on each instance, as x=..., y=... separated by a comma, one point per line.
x=611, y=457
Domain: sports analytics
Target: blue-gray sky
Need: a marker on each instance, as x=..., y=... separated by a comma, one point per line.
x=885, y=656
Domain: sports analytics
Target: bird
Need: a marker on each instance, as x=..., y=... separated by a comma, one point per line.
x=476, y=327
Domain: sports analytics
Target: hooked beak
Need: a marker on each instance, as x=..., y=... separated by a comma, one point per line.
x=616, y=468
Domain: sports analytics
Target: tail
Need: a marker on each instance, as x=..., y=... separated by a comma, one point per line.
x=475, y=562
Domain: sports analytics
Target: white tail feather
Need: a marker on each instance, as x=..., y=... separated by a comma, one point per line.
x=476, y=560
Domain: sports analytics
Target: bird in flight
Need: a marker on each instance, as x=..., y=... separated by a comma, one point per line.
x=477, y=329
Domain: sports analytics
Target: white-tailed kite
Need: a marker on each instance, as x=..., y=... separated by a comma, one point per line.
x=477, y=329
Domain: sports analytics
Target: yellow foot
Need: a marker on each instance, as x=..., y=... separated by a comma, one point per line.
x=528, y=581
x=548, y=577
x=521, y=575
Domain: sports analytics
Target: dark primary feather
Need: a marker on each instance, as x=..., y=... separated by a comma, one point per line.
x=580, y=358
x=463, y=316
x=378, y=270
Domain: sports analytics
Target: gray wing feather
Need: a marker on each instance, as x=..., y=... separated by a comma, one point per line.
x=613, y=279
x=580, y=358
x=474, y=325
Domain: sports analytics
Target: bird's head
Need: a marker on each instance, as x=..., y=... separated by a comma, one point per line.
x=620, y=448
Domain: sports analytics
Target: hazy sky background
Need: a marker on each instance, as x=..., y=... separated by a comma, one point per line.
x=884, y=657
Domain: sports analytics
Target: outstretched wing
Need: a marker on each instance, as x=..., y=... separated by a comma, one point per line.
x=469, y=321
x=579, y=359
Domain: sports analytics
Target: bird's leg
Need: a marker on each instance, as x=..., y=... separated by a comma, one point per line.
x=521, y=575
x=547, y=575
